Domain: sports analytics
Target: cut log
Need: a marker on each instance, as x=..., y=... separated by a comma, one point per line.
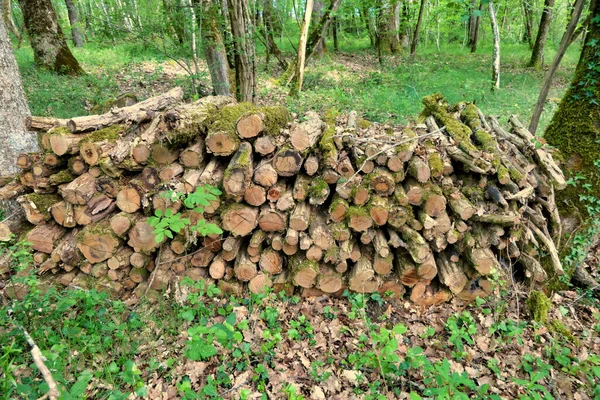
x=128, y=200
x=419, y=169
x=261, y=283
x=382, y=182
x=142, y=238
x=137, y=113
x=194, y=155
x=287, y=162
x=170, y=172
x=379, y=210
x=271, y=220
x=265, y=175
x=239, y=219
x=311, y=165
x=451, y=273
x=307, y=133
x=121, y=223
x=244, y=268
x=231, y=248
x=362, y=277
x=264, y=145
x=482, y=260
x=79, y=191
x=329, y=280
x=424, y=294
x=318, y=192
x=271, y=261
x=238, y=175
x=358, y=219
x=255, y=195
x=304, y=272
x=64, y=214
x=121, y=259
x=97, y=242
x=43, y=237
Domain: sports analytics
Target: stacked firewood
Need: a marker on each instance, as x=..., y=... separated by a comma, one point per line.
x=440, y=208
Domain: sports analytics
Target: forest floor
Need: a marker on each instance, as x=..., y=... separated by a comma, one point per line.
x=346, y=81
x=201, y=345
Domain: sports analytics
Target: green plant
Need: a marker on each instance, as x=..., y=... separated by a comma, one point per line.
x=461, y=327
x=168, y=224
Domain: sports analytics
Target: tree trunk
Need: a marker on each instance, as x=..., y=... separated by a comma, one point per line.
x=245, y=67
x=472, y=20
x=8, y=20
x=567, y=39
x=477, y=24
x=368, y=25
x=316, y=16
x=537, y=55
x=496, y=54
x=50, y=49
x=301, y=58
x=336, y=45
x=319, y=31
x=413, y=47
x=13, y=110
x=528, y=17
x=269, y=23
x=574, y=129
x=74, y=21
x=214, y=49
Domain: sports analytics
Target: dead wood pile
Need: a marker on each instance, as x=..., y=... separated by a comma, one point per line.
x=435, y=208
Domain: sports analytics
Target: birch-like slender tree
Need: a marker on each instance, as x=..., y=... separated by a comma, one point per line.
x=496, y=51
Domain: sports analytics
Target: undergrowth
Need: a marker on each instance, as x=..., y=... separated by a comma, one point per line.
x=99, y=347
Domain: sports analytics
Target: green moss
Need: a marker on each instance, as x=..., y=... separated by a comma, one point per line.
x=363, y=123
x=357, y=212
x=332, y=253
x=561, y=329
x=436, y=165
x=318, y=188
x=474, y=193
x=457, y=130
x=43, y=201
x=109, y=134
x=470, y=116
x=503, y=173
x=539, y=305
x=60, y=130
x=515, y=175
x=276, y=117
x=337, y=202
x=61, y=177
x=226, y=118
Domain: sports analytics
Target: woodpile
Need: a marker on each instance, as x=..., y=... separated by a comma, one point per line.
x=435, y=209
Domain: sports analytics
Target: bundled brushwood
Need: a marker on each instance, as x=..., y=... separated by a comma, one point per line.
x=432, y=210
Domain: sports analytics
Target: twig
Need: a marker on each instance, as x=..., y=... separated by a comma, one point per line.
x=39, y=359
x=389, y=148
x=156, y=265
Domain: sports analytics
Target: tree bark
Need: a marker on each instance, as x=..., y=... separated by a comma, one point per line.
x=50, y=49
x=567, y=39
x=477, y=24
x=13, y=110
x=74, y=21
x=574, y=129
x=496, y=54
x=301, y=58
x=528, y=17
x=9, y=21
x=413, y=47
x=537, y=55
x=245, y=63
x=214, y=49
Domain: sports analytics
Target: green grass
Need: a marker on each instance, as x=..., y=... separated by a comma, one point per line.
x=353, y=80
